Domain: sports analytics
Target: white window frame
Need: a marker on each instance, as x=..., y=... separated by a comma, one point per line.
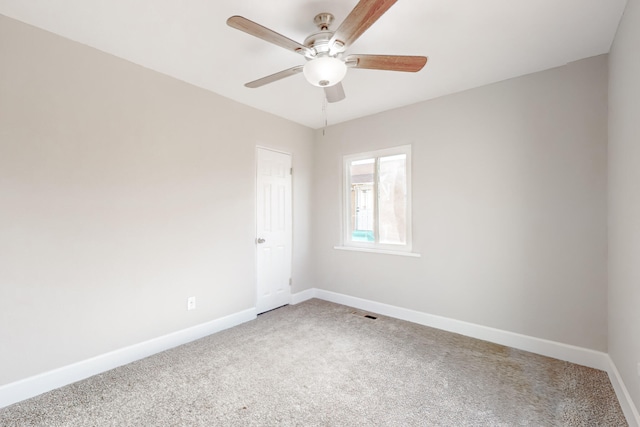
x=347, y=243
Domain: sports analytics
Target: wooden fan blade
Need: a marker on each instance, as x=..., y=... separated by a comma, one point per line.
x=387, y=62
x=264, y=33
x=357, y=22
x=334, y=93
x=275, y=77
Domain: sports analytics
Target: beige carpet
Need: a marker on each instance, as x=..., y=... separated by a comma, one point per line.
x=323, y=364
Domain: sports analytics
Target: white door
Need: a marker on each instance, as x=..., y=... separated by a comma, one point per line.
x=274, y=229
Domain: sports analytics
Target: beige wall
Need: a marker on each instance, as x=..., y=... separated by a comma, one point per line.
x=509, y=206
x=624, y=200
x=123, y=192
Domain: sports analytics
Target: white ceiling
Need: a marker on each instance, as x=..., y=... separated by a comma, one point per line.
x=469, y=43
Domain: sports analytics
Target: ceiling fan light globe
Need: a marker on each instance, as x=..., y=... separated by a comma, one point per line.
x=324, y=71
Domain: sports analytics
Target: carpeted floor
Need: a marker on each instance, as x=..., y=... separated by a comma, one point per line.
x=319, y=363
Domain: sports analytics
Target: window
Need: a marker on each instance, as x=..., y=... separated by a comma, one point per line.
x=377, y=205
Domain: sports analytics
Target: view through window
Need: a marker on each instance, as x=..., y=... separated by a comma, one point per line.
x=378, y=199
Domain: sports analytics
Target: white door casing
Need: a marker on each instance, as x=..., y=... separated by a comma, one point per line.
x=273, y=229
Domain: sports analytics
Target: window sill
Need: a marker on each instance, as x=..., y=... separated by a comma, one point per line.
x=377, y=251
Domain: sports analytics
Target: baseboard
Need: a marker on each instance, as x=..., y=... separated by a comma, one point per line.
x=303, y=296
x=581, y=356
x=33, y=386
x=628, y=407
x=30, y=387
x=566, y=352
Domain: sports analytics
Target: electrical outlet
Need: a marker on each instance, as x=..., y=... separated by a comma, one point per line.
x=191, y=303
x=639, y=369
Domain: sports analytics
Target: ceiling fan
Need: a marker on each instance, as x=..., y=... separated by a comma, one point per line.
x=326, y=63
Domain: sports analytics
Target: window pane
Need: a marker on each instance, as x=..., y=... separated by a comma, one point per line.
x=362, y=201
x=393, y=199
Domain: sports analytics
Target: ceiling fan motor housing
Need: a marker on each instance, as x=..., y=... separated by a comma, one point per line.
x=319, y=42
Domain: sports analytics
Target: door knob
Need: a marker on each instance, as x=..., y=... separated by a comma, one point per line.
x=260, y=240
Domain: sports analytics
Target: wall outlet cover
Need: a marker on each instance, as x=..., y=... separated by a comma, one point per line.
x=191, y=303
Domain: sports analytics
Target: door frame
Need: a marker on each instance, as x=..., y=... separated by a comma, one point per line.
x=255, y=219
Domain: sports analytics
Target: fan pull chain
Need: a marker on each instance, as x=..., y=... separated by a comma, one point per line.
x=324, y=112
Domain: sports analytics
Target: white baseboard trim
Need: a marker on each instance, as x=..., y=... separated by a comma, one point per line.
x=30, y=387
x=569, y=353
x=38, y=384
x=566, y=352
x=628, y=407
x=303, y=296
